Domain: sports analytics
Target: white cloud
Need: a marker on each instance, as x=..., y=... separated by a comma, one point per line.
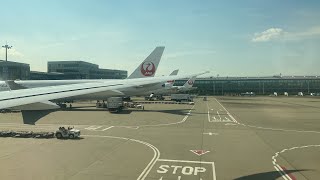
x=280, y=34
x=267, y=35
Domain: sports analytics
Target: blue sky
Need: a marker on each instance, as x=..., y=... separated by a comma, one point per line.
x=230, y=38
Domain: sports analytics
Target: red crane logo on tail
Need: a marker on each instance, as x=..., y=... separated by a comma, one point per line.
x=148, y=69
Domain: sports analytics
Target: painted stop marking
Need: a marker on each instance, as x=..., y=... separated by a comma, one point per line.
x=185, y=170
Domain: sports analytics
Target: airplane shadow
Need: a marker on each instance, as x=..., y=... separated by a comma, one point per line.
x=83, y=109
x=272, y=175
x=129, y=111
x=169, y=111
x=31, y=117
x=75, y=139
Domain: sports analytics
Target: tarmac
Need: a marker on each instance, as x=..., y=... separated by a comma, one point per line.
x=242, y=138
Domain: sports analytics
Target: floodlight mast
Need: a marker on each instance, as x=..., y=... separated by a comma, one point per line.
x=7, y=47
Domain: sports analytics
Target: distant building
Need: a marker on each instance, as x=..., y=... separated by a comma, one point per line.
x=36, y=75
x=257, y=85
x=10, y=70
x=84, y=70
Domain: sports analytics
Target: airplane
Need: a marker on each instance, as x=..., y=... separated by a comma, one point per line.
x=188, y=86
x=35, y=106
x=146, y=69
x=32, y=112
x=153, y=58
x=40, y=98
x=169, y=88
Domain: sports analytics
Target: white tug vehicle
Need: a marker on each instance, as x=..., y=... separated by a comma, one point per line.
x=69, y=132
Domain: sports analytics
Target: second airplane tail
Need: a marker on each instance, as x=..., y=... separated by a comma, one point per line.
x=190, y=82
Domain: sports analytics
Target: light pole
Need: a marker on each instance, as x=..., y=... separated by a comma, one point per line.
x=7, y=47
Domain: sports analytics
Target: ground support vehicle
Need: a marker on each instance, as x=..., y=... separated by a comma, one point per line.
x=181, y=97
x=115, y=104
x=67, y=133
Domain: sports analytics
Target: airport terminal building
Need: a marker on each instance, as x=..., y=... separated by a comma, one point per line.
x=84, y=70
x=58, y=70
x=258, y=85
x=10, y=70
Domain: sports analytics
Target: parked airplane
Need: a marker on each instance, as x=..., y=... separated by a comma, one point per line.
x=146, y=69
x=188, y=86
x=169, y=88
x=40, y=98
x=29, y=115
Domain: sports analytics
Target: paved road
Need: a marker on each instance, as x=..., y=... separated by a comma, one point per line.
x=222, y=138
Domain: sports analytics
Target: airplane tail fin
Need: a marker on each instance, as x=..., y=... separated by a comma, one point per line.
x=149, y=66
x=171, y=82
x=174, y=73
x=190, y=82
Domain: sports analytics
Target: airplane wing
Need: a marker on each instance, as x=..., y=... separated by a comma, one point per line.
x=21, y=97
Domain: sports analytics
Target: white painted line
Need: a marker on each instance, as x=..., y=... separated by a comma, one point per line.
x=180, y=122
x=230, y=124
x=276, y=129
x=219, y=115
x=146, y=171
x=107, y=128
x=93, y=128
x=227, y=112
x=273, y=129
x=151, y=163
x=211, y=133
x=208, y=111
x=214, y=119
x=129, y=127
x=283, y=174
x=199, y=162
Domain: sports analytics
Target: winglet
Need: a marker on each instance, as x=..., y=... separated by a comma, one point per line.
x=175, y=72
x=149, y=66
x=14, y=86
